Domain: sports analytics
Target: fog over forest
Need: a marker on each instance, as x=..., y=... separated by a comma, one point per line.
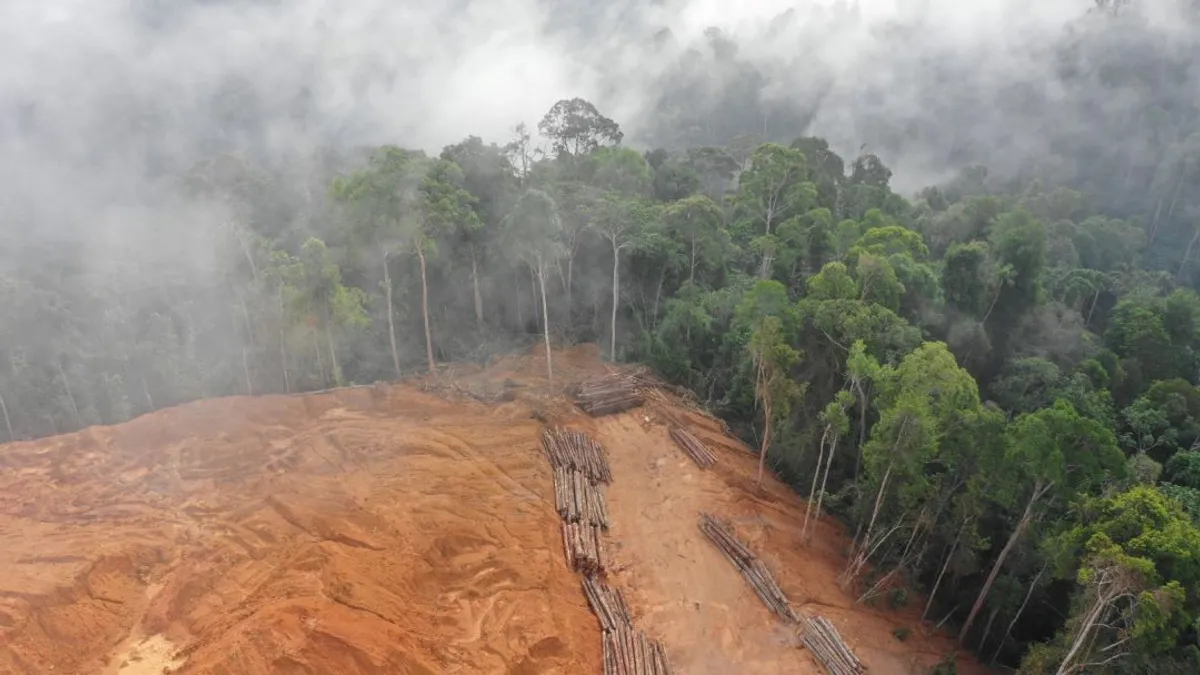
x=954, y=241
x=140, y=86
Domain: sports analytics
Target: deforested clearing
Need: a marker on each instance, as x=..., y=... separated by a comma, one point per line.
x=404, y=528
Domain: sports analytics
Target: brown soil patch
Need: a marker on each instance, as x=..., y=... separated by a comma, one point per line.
x=396, y=529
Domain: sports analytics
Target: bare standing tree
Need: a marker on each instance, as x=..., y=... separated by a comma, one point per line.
x=531, y=237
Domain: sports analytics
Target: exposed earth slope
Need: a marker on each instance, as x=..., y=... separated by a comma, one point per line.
x=397, y=529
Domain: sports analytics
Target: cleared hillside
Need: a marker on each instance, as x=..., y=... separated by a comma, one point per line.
x=400, y=529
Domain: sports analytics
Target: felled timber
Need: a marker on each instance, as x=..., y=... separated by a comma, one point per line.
x=693, y=447
x=751, y=567
x=607, y=603
x=608, y=395
x=576, y=450
x=826, y=644
x=578, y=499
x=584, y=548
x=632, y=652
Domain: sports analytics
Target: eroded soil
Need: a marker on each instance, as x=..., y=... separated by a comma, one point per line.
x=396, y=529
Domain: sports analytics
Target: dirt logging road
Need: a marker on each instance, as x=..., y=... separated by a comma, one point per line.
x=410, y=528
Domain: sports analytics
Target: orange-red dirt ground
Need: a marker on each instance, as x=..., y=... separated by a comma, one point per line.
x=405, y=528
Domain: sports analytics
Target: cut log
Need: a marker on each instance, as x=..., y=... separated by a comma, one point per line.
x=693, y=447
x=751, y=568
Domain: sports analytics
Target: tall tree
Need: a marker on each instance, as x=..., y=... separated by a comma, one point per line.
x=489, y=176
x=576, y=128
x=619, y=220
x=330, y=303
x=384, y=205
x=697, y=221
x=531, y=236
x=1054, y=453
x=444, y=206
x=773, y=189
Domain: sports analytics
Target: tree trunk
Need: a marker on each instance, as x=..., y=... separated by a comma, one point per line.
x=425, y=311
x=1187, y=254
x=387, y=289
x=612, y=342
x=662, y=276
x=1085, y=630
x=887, y=476
x=1020, y=610
x=287, y=381
x=246, y=372
x=945, y=565
x=1174, y=197
x=1095, y=299
x=70, y=396
x=766, y=442
x=316, y=340
x=7, y=422
x=764, y=395
x=478, y=295
x=1154, y=223
x=825, y=478
x=993, y=305
x=1038, y=491
x=520, y=319
x=237, y=234
x=246, y=316
x=812, y=491
x=541, y=276
x=692, y=268
x=335, y=365
x=146, y=391
x=570, y=283
x=862, y=425
x=987, y=629
x=533, y=287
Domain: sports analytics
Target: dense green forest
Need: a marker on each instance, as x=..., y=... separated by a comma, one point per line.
x=992, y=382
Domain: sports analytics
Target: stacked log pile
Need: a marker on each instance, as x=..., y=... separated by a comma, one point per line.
x=627, y=651
x=693, y=447
x=576, y=450
x=580, y=465
x=584, y=548
x=822, y=639
x=577, y=499
x=632, y=652
x=608, y=395
x=751, y=567
x=607, y=603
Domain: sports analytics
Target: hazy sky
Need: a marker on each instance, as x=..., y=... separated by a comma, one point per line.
x=102, y=93
x=420, y=73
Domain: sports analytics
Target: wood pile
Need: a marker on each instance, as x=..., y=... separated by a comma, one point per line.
x=576, y=450
x=579, y=466
x=693, y=447
x=583, y=547
x=607, y=603
x=823, y=640
x=608, y=395
x=751, y=567
x=577, y=499
x=632, y=652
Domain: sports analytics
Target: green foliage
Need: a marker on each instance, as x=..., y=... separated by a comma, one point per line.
x=1141, y=556
x=1188, y=499
x=576, y=128
x=828, y=319
x=1184, y=469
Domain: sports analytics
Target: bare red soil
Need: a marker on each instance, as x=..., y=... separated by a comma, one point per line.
x=398, y=529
